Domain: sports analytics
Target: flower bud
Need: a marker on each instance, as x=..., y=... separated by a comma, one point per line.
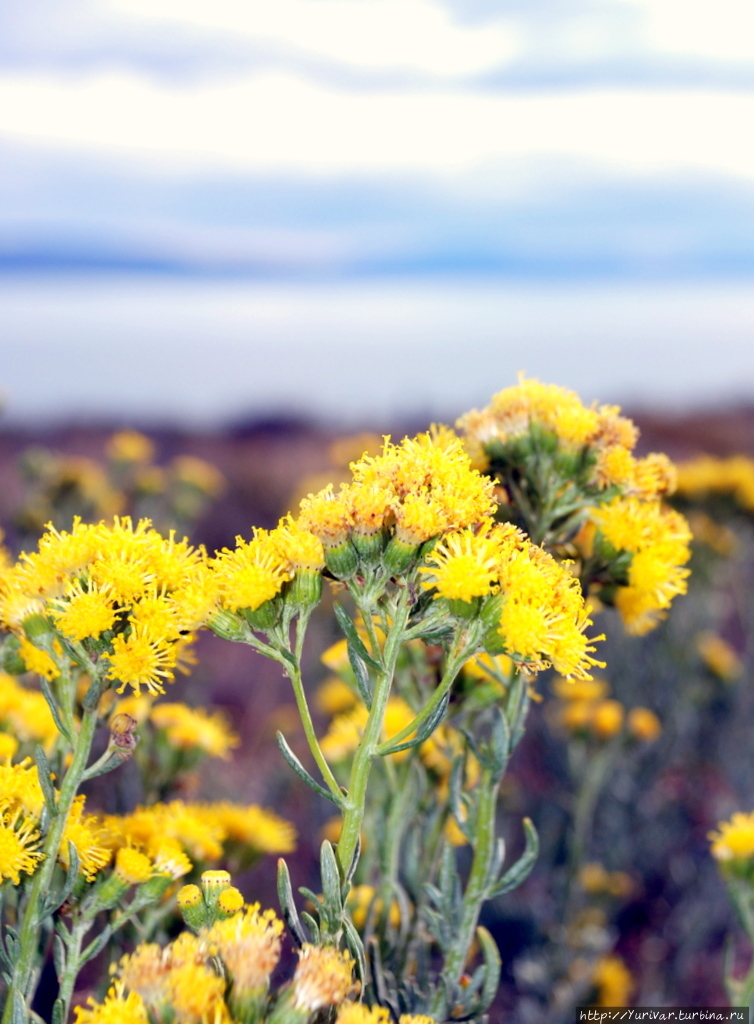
x=228, y=625
x=305, y=589
x=263, y=617
x=341, y=559
x=192, y=907
x=399, y=555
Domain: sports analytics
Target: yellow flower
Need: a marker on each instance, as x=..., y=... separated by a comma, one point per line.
x=719, y=657
x=141, y=660
x=249, y=945
x=8, y=746
x=37, y=661
x=85, y=612
x=360, y=900
x=187, y=469
x=580, y=689
x=463, y=566
x=735, y=840
x=193, y=728
x=644, y=724
x=19, y=846
x=613, y=981
x=117, y=1008
x=254, y=827
x=250, y=575
x=324, y=977
x=130, y=446
x=357, y=1013
x=132, y=867
x=89, y=837
x=20, y=788
x=607, y=718
x=334, y=696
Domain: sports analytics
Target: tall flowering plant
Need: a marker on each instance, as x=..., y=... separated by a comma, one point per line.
x=438, y=556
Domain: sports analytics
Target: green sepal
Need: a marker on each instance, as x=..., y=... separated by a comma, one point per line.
x=342, y=560
x=519, y=871
x=287, y=904
x=58, y=1010
x=263, y=617
x=302, y=773
x=353, y=637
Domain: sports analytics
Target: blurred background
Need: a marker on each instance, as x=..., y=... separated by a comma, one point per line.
x=366, y=209
x=250, y=227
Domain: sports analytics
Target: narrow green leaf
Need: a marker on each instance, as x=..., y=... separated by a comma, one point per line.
x=92, y=695
x=302, y=773
x=313, y=927
x=355, y=945
x=352, y=867
x=516, y=874
x=58, y=955
x=492, y=963
x=57, y=1012
x=19, y=1014
x=353, y=637
x=287, y=904
x=54, y=710
x=362, y=676
x=96, y=946
x=332, y=899
x=48, y=790
x=425, y=730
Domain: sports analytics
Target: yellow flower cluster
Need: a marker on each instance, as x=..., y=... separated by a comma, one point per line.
x=530, y=407
x=417, y=489
x=21, y=803
x=174, y=982
x=542, y=619
x=194, y=728
x=25, y=714
x=202, y=832
x=584, y=707
x=357, y=1013
x=141, y=594
x=249, y=945
x=657, y=539
x=705, y=476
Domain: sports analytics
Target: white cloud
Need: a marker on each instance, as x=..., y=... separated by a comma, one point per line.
x=282, y=123
x=414, y=35
x=723, y=30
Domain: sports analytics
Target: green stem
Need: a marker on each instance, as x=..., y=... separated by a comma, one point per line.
x=41, y=882
x=594, y=777
x=461, y=652
x=294, y=674
x=476, y=887
x=72, y=965
x=367, y=749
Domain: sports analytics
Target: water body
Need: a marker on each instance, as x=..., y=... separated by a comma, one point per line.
x=206, y=353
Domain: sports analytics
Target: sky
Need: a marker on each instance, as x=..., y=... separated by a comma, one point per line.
x=340, y=143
